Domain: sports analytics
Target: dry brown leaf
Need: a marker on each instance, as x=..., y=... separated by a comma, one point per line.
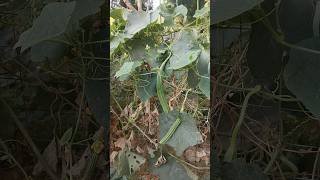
x=113, y=156
x=139, y=150
x=120, y=143
x=191, y=155
x=78, y=168
x=50, y=155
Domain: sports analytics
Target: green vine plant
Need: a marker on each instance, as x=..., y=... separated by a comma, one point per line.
x=150, y=50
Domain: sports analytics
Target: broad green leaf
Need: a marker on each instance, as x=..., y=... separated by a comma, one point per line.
x=186, y=134
x=146, y=86
x=52, y=22
x=126, y=69
x=204, y=86
x=86, y=7
x=47, y=50
x=227, y=9
x=201, y=13
x=136, y=21
x=302, y=75
x=184, y=49
x=171, y=170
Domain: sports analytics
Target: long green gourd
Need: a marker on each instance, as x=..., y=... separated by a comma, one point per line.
x=163, y=102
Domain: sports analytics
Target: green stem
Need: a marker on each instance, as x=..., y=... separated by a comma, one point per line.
x=228, y=157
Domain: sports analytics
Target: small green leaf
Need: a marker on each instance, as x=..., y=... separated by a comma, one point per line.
x=203, y=12
x=204, y=86
x=126, y=69
x=186, y=135
x=66, y=137
x=146, y=86
x=181, y=10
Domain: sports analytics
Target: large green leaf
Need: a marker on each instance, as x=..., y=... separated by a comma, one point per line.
x=227, y=9
x=47, y=51
x=186, y=134
x=136, y=21
x=52, y=22
x=184, y=49
x=302, y=75
x=55, y=20
x=126, y=69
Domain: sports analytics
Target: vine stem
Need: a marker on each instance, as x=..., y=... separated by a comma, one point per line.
x=228, y=157
x=26, y=135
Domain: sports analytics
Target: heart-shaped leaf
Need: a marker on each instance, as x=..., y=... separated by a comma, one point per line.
x=48, y=25
x=184, y=49
x=187, y=133
x=302, y=75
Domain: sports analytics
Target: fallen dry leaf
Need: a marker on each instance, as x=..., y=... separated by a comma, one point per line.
x=120, y=143
x=50, y=155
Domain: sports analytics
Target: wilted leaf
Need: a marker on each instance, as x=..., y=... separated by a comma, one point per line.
x=302, y=75
x=186, y=134
x=227, y=9
x=184, y=50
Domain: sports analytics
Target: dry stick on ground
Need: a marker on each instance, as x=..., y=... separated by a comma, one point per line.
x=29, y=140
x=139, y=5
x=316, y=161
x=129, y=5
